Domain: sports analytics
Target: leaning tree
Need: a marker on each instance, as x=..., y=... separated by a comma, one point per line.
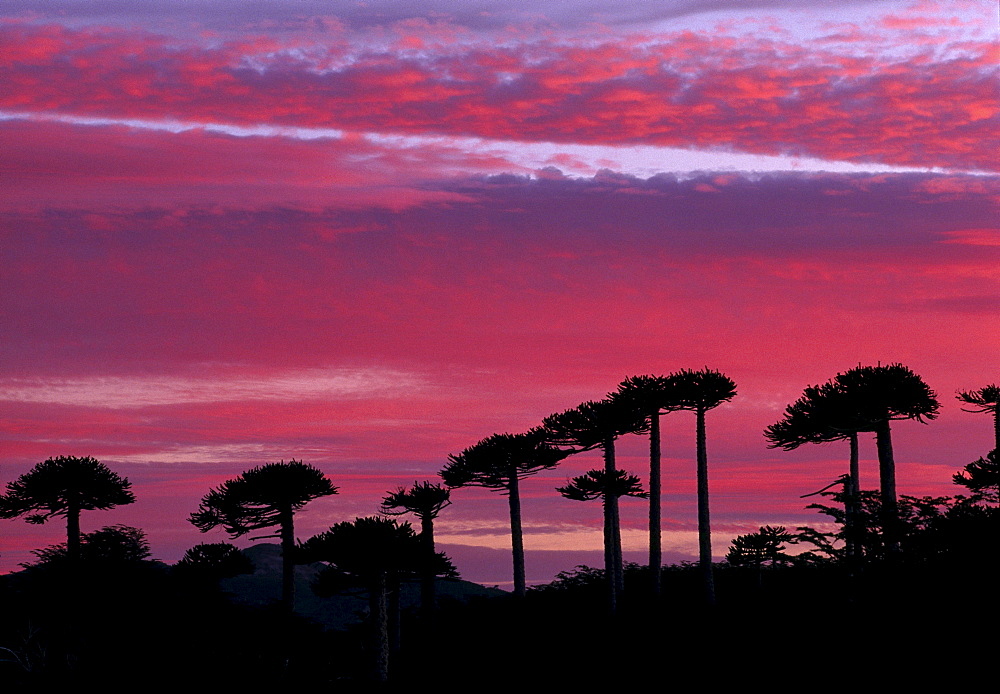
x=65, y=486
x=608, y=486
x=264, y=497
x=499, y=463
x=986, y=399
x=701, y=391
x=597, y=424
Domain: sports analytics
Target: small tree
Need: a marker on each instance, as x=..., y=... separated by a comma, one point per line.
x=766, y=547
x=609, y=486
x=425, y=500
x=982, y=478
x=112, y=544
x=65, y=486
x=373, y=553
x=265, y=497
x=213, y=561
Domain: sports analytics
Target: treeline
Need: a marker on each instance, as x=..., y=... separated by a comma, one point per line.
x=878, y=534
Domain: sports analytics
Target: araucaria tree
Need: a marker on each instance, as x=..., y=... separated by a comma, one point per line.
x=596, y=424
x=499, y=463
x=986, y=399
x=880, y=395
x=650, y=396
x=372, y=553
x=701, y=391
x=822, y=414
x=65, y=486
x=425, y=500
x=265, y=497
x=608, y=486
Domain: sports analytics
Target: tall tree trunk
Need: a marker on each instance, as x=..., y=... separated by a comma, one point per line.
x=704, y=522
x=852, y=493
x=996, y=428
x=516, y=536
x=379, y=613
x=427, y=587
x=287, y=524
x=609, y=559
x=887, y=481
x=655, y=543
x=614, y=519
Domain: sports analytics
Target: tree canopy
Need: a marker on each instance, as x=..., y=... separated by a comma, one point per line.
x=260, y=497
x=63, y=486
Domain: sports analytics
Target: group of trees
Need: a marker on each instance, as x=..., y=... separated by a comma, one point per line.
x=375, y=554
x=500, y=461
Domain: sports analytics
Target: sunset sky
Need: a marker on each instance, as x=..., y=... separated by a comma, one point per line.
x=368, y=234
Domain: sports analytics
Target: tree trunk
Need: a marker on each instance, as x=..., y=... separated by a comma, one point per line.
x=609, y=559
x=379, y=613
x=655, y=544
x=427, y=587
x=887, y=481
x=286, y=520
x=614, y=519
x=73, y=530
x=516, y=536
x=996, y=428
x=852, y=498
x=704, y=522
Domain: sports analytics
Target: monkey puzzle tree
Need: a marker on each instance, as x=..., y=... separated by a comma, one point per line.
x=881, y=394
x=651, y=396
x=822, y=414
x=986, y=399
x=499, y=462
x=65, y=486
x=609, y=486
x=264, y=497
x=373, y=552
x=701, y=391
x=596, y=424
x=425, y=500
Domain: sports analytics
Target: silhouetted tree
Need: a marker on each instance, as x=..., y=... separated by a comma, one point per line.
x=65, y=486
x=701, y=391
x=822, y=414
x=499, y=463
x=986, y=399
x=982, y=478
x=609, y=486
x=425, y=500
x=373, y=552
x=265, y=497
x=213, y=561
x=764, y=547
x=596, y=424
x=112, y=544
x=880, y=395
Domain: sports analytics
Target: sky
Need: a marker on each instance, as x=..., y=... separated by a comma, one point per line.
x=367, y=235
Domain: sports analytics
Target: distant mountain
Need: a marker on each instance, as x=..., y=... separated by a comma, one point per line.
x=263, y=587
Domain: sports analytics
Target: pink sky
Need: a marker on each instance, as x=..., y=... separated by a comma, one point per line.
x=367, y=235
